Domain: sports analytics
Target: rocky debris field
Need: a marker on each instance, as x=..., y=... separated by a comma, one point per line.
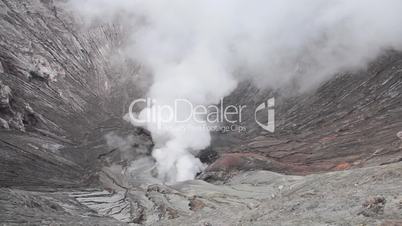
x=369, y=196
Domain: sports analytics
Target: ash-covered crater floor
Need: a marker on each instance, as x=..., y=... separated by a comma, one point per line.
x=67, y=156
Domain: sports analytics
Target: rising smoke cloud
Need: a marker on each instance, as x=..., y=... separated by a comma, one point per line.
x=200, y=49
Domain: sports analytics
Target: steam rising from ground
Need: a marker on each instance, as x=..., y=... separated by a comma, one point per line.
x=200, y=49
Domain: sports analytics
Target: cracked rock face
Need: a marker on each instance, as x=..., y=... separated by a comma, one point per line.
x=67, y=156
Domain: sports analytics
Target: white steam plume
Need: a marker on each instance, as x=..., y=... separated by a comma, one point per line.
x=200, y=49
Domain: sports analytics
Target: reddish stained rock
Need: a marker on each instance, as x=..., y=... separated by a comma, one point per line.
x=229, y=162
x=327, y=139
x=196, y=204
x=251, y=161
x=343, y=166
x=240, y=161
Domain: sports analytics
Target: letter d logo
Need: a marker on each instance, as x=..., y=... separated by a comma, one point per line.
x=269, y=105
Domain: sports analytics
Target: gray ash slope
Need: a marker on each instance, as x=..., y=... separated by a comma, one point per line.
x=350, y=121
x=60, y=94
